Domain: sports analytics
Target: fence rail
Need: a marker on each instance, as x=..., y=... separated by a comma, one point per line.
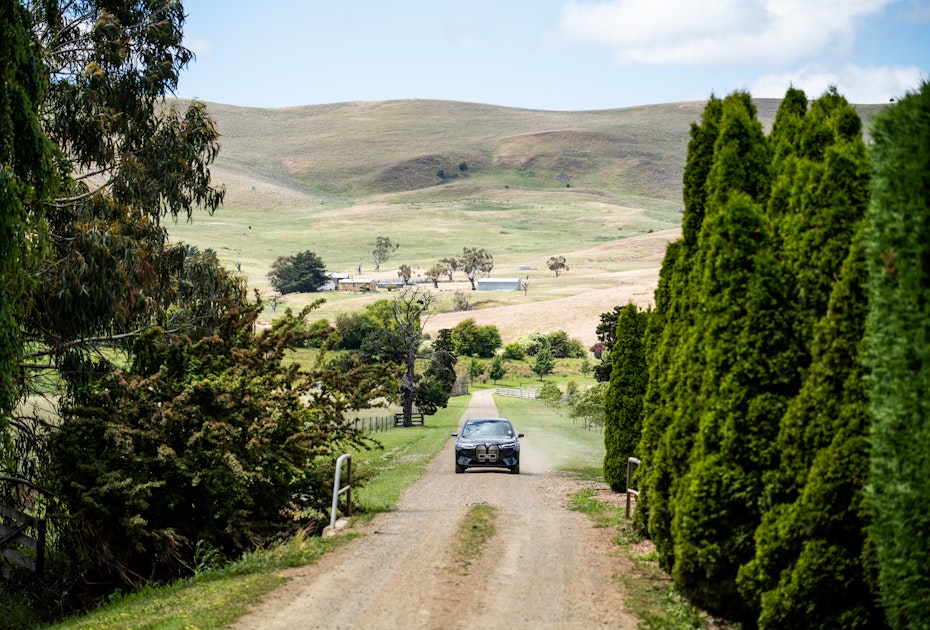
x=22, y=537
x=339, y=489
x=528, y=393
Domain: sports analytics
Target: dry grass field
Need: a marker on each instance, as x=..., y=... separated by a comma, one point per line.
x=602, y=188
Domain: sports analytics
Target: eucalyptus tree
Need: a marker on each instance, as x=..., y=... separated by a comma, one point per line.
x=557, y=265
x=476, y=261
x=382, y=250
x=109, y=158
x=131, y=159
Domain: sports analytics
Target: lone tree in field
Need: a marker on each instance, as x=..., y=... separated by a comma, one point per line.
x=406, y=334
x=557, y=265
x=450, y=265
x=475, y=262
x=434, y=272
x=300, y=273
x=383, y=250
x=405, y=273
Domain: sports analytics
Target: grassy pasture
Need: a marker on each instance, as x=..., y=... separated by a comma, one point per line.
x=602, y=188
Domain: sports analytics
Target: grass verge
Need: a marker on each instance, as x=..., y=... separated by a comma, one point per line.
x=650, y=595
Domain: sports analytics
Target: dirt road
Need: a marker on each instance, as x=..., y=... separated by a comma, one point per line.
x=545, y=568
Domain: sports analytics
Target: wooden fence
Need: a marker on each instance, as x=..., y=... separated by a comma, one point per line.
x=22, y=537
x=527, y=393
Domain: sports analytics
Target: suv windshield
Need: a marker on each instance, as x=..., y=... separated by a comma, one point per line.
x=489, y=428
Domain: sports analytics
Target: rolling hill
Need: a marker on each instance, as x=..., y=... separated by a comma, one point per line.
x=602, y=188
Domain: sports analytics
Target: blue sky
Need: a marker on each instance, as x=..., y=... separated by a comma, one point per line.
x=551, y=54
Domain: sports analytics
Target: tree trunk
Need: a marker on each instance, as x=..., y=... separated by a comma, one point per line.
x=408, y=385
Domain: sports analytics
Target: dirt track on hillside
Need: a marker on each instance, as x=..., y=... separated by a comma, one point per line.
x=545, y=568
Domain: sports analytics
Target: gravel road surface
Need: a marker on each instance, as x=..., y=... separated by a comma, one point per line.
x=545, y=568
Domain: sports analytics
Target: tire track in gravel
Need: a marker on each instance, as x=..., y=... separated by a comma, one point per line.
x=545, y=568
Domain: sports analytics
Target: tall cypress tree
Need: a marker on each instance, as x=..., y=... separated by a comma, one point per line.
x=623, y=402
x=829, y=194
x=668, y=427
x=899, y=356
x=748, y=373
x=808, y=569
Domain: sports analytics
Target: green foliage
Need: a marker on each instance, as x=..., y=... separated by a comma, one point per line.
x=550, y=394
x=814, y=496
x=671, y=407
x=543, y=364
x=899, y=356
x=303, y=272
x=623, y=402
x=565, y=347
x=383, y=250
x=435, y=386
x=475, y=369
x=513, y=352
x=202, y=441
x=405, y=273
x=589, y=404
x=127, y=160
x=474, y=262
x=497, y=370
x=606, y=332
x=751, y=363
x=723, y=372
x=556, y=265
x=316, y=334
x=351, y=330
x=470, y=339
x=829, y=193
x=27, y=178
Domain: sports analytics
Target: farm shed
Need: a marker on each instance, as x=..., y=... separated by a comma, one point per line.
x=333, y=280
x=499, y=284
x=356, y=284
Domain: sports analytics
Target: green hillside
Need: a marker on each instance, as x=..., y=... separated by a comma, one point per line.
x=524, y=184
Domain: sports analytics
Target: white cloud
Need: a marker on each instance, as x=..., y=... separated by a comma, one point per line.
x=773, y=32
x=873, y=84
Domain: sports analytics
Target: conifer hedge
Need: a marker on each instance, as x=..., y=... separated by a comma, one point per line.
x=755, y=438
x=899, y=356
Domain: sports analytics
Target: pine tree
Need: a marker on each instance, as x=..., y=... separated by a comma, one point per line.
x=898, y=255
x=623, y=403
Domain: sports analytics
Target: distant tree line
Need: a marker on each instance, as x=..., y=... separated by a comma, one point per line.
x=776, y=395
